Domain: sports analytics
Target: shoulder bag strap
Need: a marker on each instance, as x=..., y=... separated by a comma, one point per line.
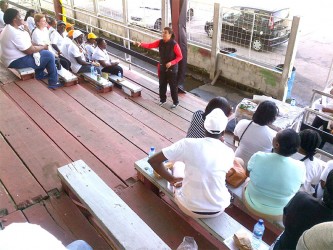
x=245, y=131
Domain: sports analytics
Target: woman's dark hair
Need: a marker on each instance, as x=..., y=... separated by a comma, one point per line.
x=328, y=191
x=29, y=12
x=266, y=113
x=170, y=31
x=310, y=140
x=99, y=41
x=10, y=15
x=218, y=102
x=289, y=142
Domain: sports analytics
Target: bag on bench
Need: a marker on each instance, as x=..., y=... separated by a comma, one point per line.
x=236, y=175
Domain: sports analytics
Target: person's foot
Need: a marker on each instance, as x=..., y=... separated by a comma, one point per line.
x=174, y=106
x=55, y=86
x=161, y=103
x=45, y=75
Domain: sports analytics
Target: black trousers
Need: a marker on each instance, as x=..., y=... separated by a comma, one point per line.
x=317, y=123
x=113, y=69
x=168, y=76
x=65, y=63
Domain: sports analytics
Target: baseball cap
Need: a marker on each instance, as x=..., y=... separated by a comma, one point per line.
x=68, y=25
x=77, y=33
x=60, y=22
x=216, y=121
x=92, y=36
x=70, y=33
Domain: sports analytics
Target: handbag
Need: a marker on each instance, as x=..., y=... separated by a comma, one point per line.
x=236, y=175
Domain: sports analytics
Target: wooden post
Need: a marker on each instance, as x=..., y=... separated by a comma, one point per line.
x=216, y=39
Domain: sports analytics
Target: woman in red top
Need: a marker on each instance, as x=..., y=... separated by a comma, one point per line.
x=170, y=55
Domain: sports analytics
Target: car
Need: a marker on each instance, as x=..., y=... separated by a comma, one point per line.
x=148, y=15
x=271, y=26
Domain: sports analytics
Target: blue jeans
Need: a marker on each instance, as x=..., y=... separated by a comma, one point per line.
x=47, y=62
x=79, y=245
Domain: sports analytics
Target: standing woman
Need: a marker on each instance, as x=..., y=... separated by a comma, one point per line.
x=170, y=55
x=29, y=19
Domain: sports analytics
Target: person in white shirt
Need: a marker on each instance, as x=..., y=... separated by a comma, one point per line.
x=31, y=236
x=3, y=8
x=101, y=55
x=90, y=45
x=17, y=50
x=256, y=135
x=29, y=19
x=323, y=179
x=203, y=193
x=77, y=55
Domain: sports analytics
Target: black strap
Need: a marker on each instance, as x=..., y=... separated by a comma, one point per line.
x=245, y=131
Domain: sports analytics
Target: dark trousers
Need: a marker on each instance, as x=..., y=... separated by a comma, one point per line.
x=317, y=123
x=170, y=77
x=87, y=69
x=114, y=70
x=65, y=63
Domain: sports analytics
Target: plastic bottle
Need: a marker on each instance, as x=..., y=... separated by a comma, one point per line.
x=258, y=232
x=119, y=74
x=151, y=152
x=293, y=102
x=92, y=70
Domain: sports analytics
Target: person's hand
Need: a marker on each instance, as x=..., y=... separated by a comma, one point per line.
x=96, y=64
x=46, y=47
x=168, y=65
x=176, y=182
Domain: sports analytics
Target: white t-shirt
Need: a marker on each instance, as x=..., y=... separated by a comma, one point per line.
x=13, y=41
x=90, y=50
x=256, y=138
x=313, y=170
x=207, y=161
x=56, y=38
x=29, y=237
x=101, y=55
x=74, y=51
x=2, y=23
x=41, y=37
x=323, y=177
x=31, y=23
x=66, y=42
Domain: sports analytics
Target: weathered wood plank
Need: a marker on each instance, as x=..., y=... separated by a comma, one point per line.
x=116, y=217
x=106, y=144
x=6, y=76
x=35, y=149
x=12, y=170
x=7, y=205
x=64, y=140
x=15, y=217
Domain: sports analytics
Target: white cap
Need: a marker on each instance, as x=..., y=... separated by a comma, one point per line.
x=77, y=33
x=216, y=121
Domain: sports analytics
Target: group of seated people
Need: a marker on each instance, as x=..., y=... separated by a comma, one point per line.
x=42, y=43
x=281, y=166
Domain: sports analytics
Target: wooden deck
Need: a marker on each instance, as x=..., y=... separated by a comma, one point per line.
x=43, y=129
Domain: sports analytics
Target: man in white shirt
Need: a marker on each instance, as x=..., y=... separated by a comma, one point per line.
x=203, y=193
x=3, y=8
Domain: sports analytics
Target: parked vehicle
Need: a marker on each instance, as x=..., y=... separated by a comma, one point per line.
x=271, y=26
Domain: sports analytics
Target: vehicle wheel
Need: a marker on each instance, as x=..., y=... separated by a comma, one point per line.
x=210, y=31
x=158, y=24
x=257, y=44
x=189, y=15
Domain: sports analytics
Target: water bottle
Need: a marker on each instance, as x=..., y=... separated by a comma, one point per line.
x=119, y=74
x=151, y=152
x=258, y=232
x=293, y=102
x=92, y=70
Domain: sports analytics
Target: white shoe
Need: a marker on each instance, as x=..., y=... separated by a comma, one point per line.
x=161, y=103
x=174, y=106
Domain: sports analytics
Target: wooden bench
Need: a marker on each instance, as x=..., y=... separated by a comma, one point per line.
x=67, y=77
x=102, y=86
x=222, y=227
x=123, y=227
x=24, y=73
x=128, y=87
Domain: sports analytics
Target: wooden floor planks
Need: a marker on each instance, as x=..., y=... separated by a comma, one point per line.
x=64, y=140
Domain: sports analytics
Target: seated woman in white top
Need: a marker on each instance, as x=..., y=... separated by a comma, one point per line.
x=78, y=55
x=17, y=50
x=102, y=56
x=90, y=45
x=255, y=135
x=29, y=19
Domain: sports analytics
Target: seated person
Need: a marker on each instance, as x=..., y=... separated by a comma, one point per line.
x=40, y=36
x=77, y=55
x=196, y=129
x=31, y=236
x=274, y=177
x=101, y=55
x=310, y=141
x=303, y=212
x=17, y=50
x=256, y=135
x=323, y=178
x=29, y=19
x=203, y=193
x=318, y=237
x=90, y=45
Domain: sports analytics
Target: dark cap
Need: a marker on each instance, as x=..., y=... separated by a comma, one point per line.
x=60, y=22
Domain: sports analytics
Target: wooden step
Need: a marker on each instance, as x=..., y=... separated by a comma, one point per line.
x=64, y=140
